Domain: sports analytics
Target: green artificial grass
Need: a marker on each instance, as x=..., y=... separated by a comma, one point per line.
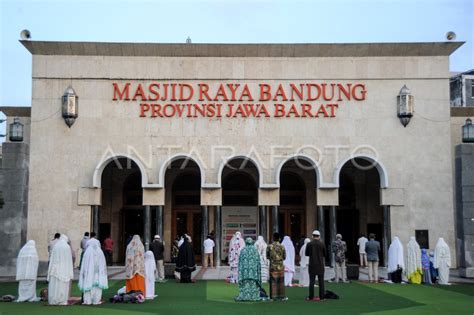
x=216, y=297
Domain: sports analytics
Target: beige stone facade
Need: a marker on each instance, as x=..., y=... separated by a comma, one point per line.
x=413, y=163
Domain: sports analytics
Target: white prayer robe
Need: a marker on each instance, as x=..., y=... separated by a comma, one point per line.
x=26, y=272
x=150, y=272
x=60, y=273
x=395, y=255
x=442, y=261
x=289, y=261
x=304, y=262
x=93, y=274
x=261, y=247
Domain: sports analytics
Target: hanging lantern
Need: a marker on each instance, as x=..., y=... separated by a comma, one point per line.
x=16, y=130
x=405, y=102
x=468, y=131
x=70, y=106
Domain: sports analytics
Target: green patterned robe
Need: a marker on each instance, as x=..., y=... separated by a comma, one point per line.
x=250, y=279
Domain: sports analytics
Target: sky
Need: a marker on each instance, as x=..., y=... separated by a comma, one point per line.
x=244, y=21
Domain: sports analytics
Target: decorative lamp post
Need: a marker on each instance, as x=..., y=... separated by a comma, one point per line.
x=16, y=130
x=405, y=102
x=468, y=131
x=70, y=106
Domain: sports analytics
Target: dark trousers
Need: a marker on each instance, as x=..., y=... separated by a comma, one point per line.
x=108, y=257
x=312, y=280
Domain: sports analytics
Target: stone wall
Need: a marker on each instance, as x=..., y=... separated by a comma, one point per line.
x=465, y=208
x=14, y=185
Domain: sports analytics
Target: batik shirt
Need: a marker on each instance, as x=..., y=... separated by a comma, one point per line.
x=276, y=254
x=339, y=249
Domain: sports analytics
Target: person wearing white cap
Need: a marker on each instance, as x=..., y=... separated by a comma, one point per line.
x=316, y=251
x=158, y=248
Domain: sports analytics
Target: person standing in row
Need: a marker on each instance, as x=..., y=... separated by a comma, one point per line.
x=208, y=251
x=83, y=247
x=442, y=261
x=396, y=261
x=339, y=248
x=26, y=272
x=186, y=263
x=372, y=248
x=316, y=251
x=93, y=274
x=413, y=268
x=304, y=261
x=150, y=274
x=108, y=250
x=135, y=266
x=363, y=255
x=289, y=261
x=52, y=243
x=250, y=279
x=158, y=249
x=60, y=272
x=261, y=247
x=276, y=255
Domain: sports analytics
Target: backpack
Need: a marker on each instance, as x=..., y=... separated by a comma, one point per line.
x=330, y=295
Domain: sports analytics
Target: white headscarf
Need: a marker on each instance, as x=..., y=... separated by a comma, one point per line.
x=289, y=261
x=60, y=263
x=261, y=246
x=27, y=262
x=395, y=255
x=304, y=260
x=93, y=268
x=442, y=254
x=413, y=256
x=150, y=264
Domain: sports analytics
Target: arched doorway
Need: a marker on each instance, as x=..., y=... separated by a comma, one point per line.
x=239, y=201
x=121, y=212
x=297, y=200
x=359, y=211
x=183, y=179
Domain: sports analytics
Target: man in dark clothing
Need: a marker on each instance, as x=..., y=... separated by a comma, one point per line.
x=316, y=251
x=158, y=248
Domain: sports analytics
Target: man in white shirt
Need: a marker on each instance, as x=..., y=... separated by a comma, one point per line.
x=363, y=255
x=208, y=251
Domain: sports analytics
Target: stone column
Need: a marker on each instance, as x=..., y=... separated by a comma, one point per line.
x=275, y=226
x=204, y=229
x=262, y=220
x=218, y=230
x=320, y=224
x=332, y=230
x=95, y=219
x=386, y=233
x=147, y=227
x=159, y=221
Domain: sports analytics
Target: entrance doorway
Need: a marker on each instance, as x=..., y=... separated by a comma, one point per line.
x=359, y=210
x=185, y=178
x=121, y=212
x=291, y=223
x=190, y=222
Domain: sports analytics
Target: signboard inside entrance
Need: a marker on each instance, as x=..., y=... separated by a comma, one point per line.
x=243, y=219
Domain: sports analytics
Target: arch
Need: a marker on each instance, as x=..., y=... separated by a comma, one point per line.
x=304, y=157
x=235, y=157
x=176, y=157
x=99, y=169
x=382, y=171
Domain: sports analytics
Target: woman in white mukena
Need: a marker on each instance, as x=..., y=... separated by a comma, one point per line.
x=26, y=273
x=60, y=272
x=93, y=275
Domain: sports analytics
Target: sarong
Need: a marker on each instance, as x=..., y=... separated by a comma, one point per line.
x=277, y=284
